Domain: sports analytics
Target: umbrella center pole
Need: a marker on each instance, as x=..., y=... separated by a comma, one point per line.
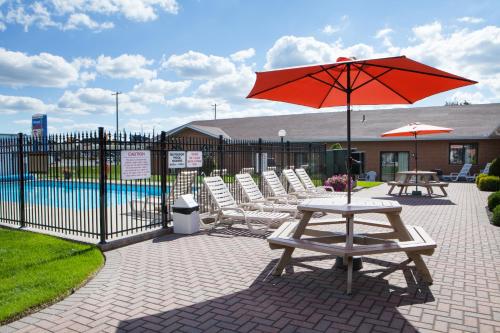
x=348, y=91
x=416, y=192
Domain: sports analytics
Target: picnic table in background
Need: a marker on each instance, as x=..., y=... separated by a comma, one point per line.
x=427, y=179
x=412, y=240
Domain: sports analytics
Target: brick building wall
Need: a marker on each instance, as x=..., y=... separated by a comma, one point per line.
x=432, y=154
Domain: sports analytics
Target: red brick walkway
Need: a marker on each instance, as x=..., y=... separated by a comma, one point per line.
x=217, y=282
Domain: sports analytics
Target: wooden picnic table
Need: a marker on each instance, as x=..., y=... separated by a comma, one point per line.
x=397, y=237
x=425, y=179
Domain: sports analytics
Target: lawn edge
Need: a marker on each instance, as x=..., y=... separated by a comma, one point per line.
x=58, y=298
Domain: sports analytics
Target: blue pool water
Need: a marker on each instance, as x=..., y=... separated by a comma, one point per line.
x=80, y=196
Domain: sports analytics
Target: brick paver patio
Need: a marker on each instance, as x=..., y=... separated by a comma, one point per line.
x=218, y=282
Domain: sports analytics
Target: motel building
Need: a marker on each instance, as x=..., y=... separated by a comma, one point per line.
x=475, y=139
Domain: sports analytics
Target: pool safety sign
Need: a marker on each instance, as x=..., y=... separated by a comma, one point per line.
x=194, y=159
x=176, y=159
x=135, y=164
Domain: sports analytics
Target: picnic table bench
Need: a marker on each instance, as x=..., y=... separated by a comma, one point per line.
x=412, y=240
x=425, y=179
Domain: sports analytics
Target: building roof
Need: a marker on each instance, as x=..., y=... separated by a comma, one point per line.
x=481, y=121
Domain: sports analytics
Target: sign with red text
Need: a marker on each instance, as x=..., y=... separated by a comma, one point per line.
x=176, y=159
x=135, y=164
x=194, y=159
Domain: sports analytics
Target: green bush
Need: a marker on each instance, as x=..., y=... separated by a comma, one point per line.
x=496, y=216
x=493, y=200
x=489, y=183
x=478, y=177
x=495, y=167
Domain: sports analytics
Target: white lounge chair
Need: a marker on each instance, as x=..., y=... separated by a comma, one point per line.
x=152, y=203
x=276, y=188
x=300, y=191
x=308, y=183
x=248, y=170
x=218, y=172
x=486, y=169
x=228, y=211
x=253, y=195
x=463, y=174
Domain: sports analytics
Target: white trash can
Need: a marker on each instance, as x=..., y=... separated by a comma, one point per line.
x=186, y=218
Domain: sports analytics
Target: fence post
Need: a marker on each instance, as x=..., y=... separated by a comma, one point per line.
x=288, y=153
x=221, y=155
x=259, y=162
x=309, y=158
x=102, y=186
x=20, y=167
x=163, y=178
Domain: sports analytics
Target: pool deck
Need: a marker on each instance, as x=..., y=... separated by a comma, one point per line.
x=218, y=282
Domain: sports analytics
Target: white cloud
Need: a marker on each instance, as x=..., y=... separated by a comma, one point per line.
x=34, y=14
x=470, y=19
x=78, y=21
x=383, y=33
x=233, y=87
x=16, y=104
x=186, y=104
x=330, y=30
x=125, y=66
x=290, y=51
x=18, y=69
x=243, y=55
x=95, y=101
x=76, y=13
x=155, y=91
x=469, y=53
x=196, y=65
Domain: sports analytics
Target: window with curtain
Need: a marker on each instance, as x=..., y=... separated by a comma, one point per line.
x=463, y=153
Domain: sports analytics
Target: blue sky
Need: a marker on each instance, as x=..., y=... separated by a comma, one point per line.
x=174, y=59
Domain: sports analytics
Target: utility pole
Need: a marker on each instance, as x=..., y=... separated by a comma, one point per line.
x=215, y=111
x=116, y=94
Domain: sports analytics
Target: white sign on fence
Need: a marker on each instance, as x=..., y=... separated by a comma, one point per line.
x=135, y=164
x=194, y=159
x=176, y=159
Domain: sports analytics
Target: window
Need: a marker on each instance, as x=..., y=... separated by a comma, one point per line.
x=463, y=153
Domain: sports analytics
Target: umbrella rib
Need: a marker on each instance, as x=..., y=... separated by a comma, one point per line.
x=322, y=81
x=382, y=83
x=424, y=73
x=290, y=81
x=373, y=78
x=336, y=79
x=357, y=76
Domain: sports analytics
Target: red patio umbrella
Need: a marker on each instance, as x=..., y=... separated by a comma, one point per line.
x=415, y=129
x=393, y=80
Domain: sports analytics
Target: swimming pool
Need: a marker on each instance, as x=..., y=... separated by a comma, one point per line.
x=74, y=195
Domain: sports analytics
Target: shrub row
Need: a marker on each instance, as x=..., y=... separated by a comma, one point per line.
x=489, y=183
x=493, y=200
x=496, y=216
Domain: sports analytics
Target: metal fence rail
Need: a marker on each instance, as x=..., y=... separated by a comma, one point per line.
x=72, y=183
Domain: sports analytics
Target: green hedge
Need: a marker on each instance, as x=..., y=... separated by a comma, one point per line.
x=481, y=175
x=493, y=200
x=495, y=167
x=496, y=216
x=489, y=183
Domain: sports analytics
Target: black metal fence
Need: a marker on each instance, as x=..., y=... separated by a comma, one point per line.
x=72, y=183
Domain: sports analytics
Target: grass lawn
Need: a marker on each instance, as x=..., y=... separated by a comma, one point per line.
x=365, y=184
x=36, y=269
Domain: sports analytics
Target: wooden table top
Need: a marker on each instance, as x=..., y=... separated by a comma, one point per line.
x=357, y=205
x=413, y=172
